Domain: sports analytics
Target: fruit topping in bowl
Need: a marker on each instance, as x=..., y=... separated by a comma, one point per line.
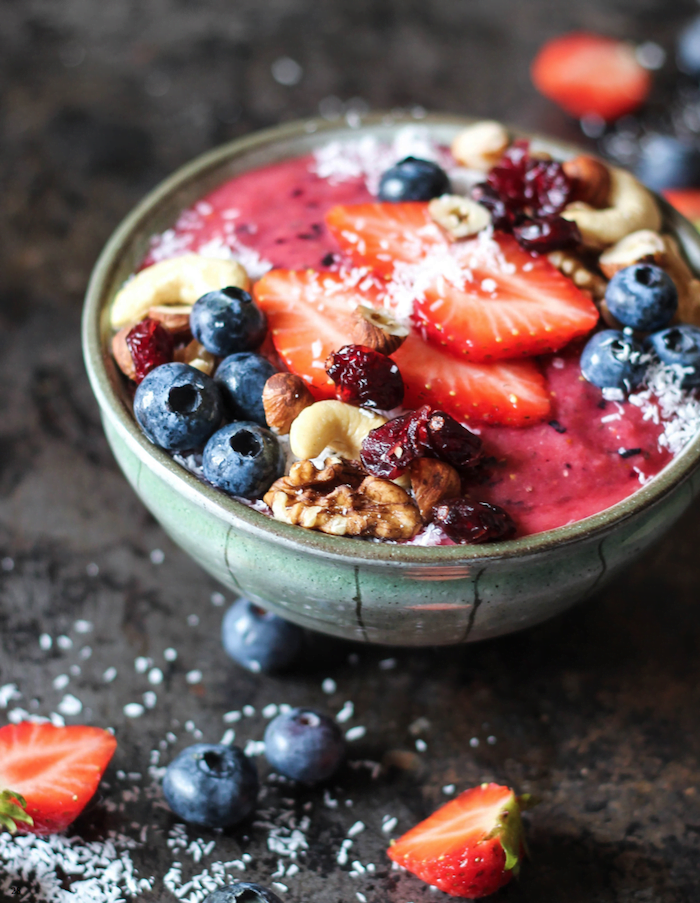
x=405, y=329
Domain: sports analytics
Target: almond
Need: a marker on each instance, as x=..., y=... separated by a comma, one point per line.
x=284, y=397
x=378, y=329
x=591, y=178
x=121, y=352
x=432, y=482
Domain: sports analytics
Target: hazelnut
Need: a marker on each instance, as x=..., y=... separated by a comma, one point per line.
x=377, y=328
x=176, y=319
x=121, y=352
x=591, y=178
x=284, y=397
x=432, y=482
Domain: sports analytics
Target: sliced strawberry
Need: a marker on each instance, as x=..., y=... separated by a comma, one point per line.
x=470, y=847
x=510, y=393
x=510, y=305
x=52, y=771
x=379, y=235
x=308, y=314
x=686, y=201
x=591, y=74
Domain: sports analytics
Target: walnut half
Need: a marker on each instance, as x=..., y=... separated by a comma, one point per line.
x=341, y=500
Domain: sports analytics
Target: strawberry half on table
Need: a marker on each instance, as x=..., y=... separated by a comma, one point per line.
x=471, y=846
x=48, y=774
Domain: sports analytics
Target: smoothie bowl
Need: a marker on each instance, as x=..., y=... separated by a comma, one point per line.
x=448, y=442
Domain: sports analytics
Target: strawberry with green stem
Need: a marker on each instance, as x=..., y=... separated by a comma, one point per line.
x=471, y=846
x=48, y=774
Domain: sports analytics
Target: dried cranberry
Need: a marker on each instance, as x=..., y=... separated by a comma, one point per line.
x=365, y=377
x=424, y=433
x=465, y=521
x=545, y=235
x=150, y=345
x=525, y=196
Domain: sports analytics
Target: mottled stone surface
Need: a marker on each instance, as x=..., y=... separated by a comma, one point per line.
x=595, y=712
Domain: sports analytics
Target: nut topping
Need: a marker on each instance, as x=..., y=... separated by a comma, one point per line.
x=332, y=424
x=459, y=216
x=122, y=353
x=591, y=178
x=481, y=145
x=174, y=318
x=377, y=328
x=196, y=356
x=432, y=482
x=284, y=397
x=341, y=500
x=643, y=246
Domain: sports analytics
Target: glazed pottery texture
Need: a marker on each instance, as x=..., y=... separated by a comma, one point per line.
x=366, y=591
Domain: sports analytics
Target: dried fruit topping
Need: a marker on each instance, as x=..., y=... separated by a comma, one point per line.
x=150, y=345
x=365, y=377
x=426, y=433
x=528, y=193
x=465, y=521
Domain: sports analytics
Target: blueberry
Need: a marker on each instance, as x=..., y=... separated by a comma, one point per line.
x=244, y=459
x=241, y=378
x=259, y=640
x=665, y=161
x=612, y=360
x=178, y=407
x=228, y=320
x=679, y=345
x=413, y=180
x=242, y=892
x=688, y=48
x=642, y=296
x=212, y=785
x=304, y=745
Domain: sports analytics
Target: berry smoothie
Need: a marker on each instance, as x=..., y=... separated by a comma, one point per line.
x=585, y=456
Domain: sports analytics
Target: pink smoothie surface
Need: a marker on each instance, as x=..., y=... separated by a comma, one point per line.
x=588, y=456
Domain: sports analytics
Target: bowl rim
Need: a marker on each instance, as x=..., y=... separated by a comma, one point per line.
x=240, y=515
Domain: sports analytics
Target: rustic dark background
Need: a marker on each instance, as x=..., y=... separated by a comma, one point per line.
x=595, y=712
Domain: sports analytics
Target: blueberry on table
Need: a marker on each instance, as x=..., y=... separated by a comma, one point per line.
x=259, y=640
x=211, y=785
x=642, y=296
x=242, y=892
x=612, y=360
x=244, y=459
x=304, y=745
x=413, y=179
x=241, y=378
x=668, y=162
x=228, y=320
x=679, y=345
x=688, y=48
x=177, y=407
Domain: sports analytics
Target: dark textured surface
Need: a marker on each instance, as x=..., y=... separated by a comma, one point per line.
x=595, y=712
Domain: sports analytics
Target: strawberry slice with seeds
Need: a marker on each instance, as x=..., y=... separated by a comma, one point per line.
x=471, y=846
x=379, y=235
x=510, y=304
x=309, y=317
x=308, y=314
x=49, y=774
x=509, y=393
x=591, y=74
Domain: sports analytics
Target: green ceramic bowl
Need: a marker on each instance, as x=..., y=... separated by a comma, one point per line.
x=372, y=592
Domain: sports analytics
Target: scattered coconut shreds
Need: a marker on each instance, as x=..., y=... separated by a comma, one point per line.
x=366, y=158
x=664, y=402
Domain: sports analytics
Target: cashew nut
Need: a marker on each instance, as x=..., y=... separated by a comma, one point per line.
x=196, y=356
x=631, y=208
x=481, y=145
x=180, y=280
x=460, y=217
x=332, y=424
x=686, y=283
x=641, y=246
